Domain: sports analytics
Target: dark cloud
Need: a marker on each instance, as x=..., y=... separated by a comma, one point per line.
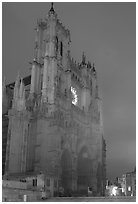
x=107, y=34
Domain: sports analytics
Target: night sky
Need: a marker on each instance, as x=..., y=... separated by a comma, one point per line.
x=106, y=32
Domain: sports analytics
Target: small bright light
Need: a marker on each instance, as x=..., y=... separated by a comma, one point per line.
x=129, y=188
x=114, y=191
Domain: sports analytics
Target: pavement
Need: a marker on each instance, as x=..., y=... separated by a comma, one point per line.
x=92, y=199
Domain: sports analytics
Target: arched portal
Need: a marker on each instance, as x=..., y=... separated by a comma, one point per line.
x=66, y=177
x=84, y=170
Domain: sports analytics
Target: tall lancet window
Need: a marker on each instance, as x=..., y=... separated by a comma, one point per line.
x=56, y=43
x=61, y=48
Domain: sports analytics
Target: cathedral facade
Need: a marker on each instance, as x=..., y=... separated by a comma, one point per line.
x=55, y=119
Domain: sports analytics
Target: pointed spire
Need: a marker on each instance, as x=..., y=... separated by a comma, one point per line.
x=93, y=68
x=23, y=94
x=100, y=112
x=52, y=12
x=4, y=97
x=19, y=103
x=16, y=87
x=52, y=9
x=36, y=43
x=4, y=87
x=96, y=91
x=23, y=99
x=21, y=89
x=17, y=82
x=83, y=59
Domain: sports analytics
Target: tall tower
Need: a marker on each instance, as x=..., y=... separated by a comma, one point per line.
x=17, y=131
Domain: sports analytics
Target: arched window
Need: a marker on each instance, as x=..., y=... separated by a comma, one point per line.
x=56, y=43
x=65, y=92
x=34, y=182
x=10, y=103
x=61, y=48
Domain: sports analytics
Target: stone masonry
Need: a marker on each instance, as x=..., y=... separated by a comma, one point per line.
x=55, y=121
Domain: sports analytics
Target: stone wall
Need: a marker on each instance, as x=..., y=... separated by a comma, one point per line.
x=5, y=123
x=14, y=184
x=17, y=195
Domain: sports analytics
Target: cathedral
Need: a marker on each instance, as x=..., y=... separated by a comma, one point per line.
x=52, y=119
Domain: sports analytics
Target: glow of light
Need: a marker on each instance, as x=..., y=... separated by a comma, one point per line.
x=114, y=191
x=123, y=190
x=129, y=188
x=75, y=97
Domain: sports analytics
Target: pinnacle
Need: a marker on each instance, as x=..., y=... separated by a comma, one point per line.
x=17, y=80
x=52, y=9
x=21, y=88
x=4, y=86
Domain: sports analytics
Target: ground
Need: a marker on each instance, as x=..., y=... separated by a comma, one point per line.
x=93, y=199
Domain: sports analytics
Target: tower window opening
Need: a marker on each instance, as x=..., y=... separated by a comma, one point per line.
x=10, y=104
x=61, y=48
x=34, y=182
x=56, y=43
x=65, y=92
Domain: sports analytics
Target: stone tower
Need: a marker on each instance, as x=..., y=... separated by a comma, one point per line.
x=57, y=127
